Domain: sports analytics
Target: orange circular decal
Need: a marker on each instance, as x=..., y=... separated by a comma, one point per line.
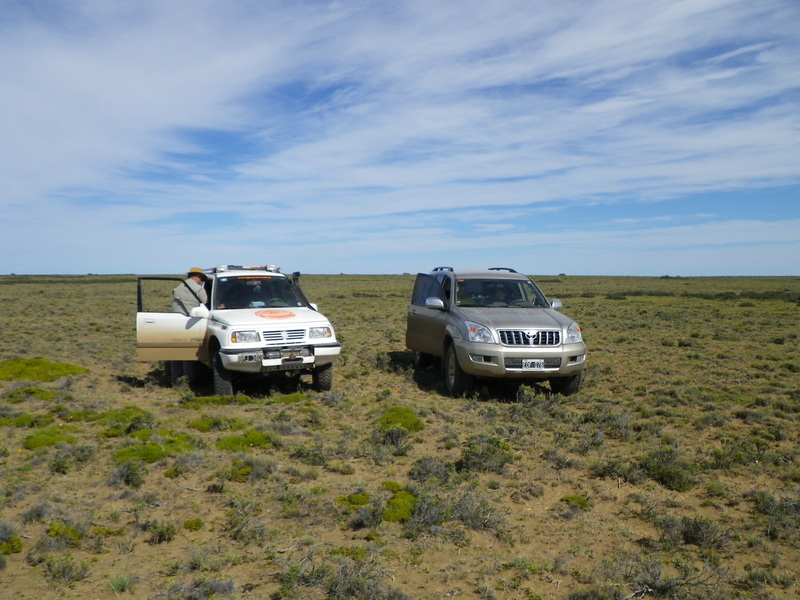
x=275, y=314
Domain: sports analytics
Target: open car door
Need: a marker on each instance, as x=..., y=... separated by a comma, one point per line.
x=425, y=326
x=164, y=335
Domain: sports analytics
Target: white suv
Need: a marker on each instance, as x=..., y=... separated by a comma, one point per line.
x=492, y=323
x=257, y=322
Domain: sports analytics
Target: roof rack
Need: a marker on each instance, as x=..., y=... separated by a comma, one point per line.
x=442, y=269
x=509, y=269
x=223, y=268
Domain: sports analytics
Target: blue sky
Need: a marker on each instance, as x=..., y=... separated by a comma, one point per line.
x=613, y=137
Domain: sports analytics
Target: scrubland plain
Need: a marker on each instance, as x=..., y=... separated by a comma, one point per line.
x=674, y=473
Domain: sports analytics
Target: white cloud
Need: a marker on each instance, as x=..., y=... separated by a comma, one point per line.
x=356, y=132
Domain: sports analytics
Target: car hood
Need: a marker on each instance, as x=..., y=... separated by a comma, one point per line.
x=270, y=317
x=517, y=318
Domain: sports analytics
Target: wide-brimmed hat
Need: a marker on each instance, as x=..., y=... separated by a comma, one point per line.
x=197, y=271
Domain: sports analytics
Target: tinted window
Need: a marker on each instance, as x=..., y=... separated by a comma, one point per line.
x=426, y=287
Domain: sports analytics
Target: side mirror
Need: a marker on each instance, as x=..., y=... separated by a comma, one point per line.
x=314, y=306
x=199, y=311
x=434, y=302
x=557, y=304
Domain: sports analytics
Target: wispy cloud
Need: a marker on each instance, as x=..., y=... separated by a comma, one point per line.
x=386, y=137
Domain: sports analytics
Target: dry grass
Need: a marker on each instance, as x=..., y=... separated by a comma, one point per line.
x=673, y=474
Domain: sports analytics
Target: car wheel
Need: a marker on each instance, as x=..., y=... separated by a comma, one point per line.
x=422, y=360
x=566, y=386
x=456, y=381
x=223, y=378
x=322, y=378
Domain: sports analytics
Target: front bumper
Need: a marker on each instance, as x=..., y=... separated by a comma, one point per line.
x=495, y=360
x=272, y=359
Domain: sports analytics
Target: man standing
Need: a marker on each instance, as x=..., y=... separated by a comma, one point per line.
x=190, y=293
x=187, y=295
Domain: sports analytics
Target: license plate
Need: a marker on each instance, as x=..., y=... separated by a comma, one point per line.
x=532, y=364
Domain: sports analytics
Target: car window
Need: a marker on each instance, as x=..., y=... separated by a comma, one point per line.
x=254, y=292
x=499, y=293
x=426, y=287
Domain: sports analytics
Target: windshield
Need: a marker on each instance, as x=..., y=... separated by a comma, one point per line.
x=499, y=293
x=253, y=291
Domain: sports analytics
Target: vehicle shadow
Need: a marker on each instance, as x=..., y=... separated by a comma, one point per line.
x=429, y=379
x=203, y=385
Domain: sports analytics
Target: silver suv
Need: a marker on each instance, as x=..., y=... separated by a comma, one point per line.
x=492, y=323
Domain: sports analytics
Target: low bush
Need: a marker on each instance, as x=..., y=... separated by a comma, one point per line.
x=485, y=453
x=665, y=466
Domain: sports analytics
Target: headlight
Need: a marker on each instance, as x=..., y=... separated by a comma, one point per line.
x=574, y=334
x=478, y=333
x=241, y=337
x=320, y=332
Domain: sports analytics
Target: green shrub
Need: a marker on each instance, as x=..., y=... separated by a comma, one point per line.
x=246, y=468
x=354, y=501
x=400, y=507
x=160, y=531
x=201, y=401
x=64, y=569
x=66, y=534
x=11, y=545
x=163, y=444
x=50, y=436
x=577, y=501
x=391, y=486
x=485, y=453
x=195, y=524
x=400, y=417
x=31, y=392
x=665, y=466
x=124, y=421
x=123, y=583
x=289, y=398
x=217, y=424
x=313, y=455
x=37, y=369
x=149, y=453
x=27, y=421
x=242, y=443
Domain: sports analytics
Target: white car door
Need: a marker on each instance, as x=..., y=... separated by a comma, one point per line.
x=170, y=336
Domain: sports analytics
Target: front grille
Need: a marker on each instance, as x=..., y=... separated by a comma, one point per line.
x=529, y=337
x=284, y=336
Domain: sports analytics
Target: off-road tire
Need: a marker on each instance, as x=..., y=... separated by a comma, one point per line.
x=223, y=378
x=456, y=382
x=322, y=378
x=566, y=386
